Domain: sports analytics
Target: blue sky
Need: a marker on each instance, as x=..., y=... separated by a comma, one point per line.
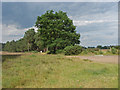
x=97, y=22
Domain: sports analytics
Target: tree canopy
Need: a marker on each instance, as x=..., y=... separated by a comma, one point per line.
x=30, y=38
x=56, y=30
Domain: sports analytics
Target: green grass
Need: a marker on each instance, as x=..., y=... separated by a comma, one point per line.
x=57, y=71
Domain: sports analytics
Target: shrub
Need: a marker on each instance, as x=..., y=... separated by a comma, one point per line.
x=90, y=50
x=96, y=53
x=108, y=52
x=96, y=49
x=93, y=50
x=73, y=50
x=84, y=51
x=59, y=51
x=48, y=52
x=114, y=50
x=34, y=51
x=100, y=52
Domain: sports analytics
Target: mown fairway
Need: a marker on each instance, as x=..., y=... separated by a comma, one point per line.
x=57, y=71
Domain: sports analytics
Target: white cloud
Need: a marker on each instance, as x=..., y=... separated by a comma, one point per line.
x=86, y=22
x=13, y=32
x=97, y=13
x=107, y=36
x=35, y=28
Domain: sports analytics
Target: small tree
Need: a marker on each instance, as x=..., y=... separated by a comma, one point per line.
x=29, y=37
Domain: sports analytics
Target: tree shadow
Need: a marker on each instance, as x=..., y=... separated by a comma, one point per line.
x=5, y=57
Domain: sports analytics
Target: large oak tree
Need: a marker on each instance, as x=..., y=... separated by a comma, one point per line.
x=56, y=30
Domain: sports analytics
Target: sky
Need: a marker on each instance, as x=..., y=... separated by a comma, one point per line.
x=97, y=22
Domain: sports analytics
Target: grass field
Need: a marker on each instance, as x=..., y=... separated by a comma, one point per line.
x=56, y=71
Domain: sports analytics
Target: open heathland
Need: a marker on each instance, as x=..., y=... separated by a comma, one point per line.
x=37, y=70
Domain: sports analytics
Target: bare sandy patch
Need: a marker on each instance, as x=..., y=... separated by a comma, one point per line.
x=10, y=53
x=101, y=58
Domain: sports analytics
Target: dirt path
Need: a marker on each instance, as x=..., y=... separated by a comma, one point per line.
x=11, y=53
x=105, y=59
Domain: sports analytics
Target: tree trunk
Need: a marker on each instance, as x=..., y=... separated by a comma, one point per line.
x=47, y=49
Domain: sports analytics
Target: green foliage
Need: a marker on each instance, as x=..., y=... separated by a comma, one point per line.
x=92, y=50
x=113, y=50
x=29, y=37
x=2, y=46
x=39, y=43
x=56, y=30
x=108, y=52
x=87, y=60
x=73, y=50
x=59, y=51
x=21, y=45
x=96, y=49
x=10, y=46
x=16, y=46
x=96, y=53
x=99, y=46
x=85, y=51
x=100, y=52
x=34, y=51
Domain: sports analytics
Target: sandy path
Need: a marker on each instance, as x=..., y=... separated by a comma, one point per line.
x=10, y=53
x=105, y=59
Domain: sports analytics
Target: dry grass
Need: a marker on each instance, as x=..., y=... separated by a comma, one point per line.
x=57, y=71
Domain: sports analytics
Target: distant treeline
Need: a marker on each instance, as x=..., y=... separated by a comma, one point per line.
x=21, y=46
x=105, y=47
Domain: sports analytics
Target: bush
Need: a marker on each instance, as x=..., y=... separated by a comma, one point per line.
x=59, y=51
x=73, y=50
x=84, y=51
x=34, y=51
x=96, y=49
x=48, y=52
x=100, y=52
x=114, y=50
x=96, y=52
x=92, y=50
x=108, y=52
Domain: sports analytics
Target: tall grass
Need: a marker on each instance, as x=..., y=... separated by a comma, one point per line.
x=57, y=71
